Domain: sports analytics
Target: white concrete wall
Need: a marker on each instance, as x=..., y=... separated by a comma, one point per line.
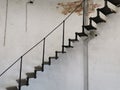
x=104, y=58
x=104, y=63
x=67, y=72
x=43, y=17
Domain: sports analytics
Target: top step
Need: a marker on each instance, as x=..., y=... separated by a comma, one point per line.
x=115, y=2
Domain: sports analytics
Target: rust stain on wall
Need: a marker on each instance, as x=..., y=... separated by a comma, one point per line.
x=70, y=6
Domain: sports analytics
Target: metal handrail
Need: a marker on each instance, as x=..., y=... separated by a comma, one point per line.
x=41, y=40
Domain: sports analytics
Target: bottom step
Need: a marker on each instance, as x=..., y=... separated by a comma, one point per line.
x=12, y=88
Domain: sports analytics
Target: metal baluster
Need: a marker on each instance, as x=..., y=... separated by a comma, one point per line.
x=20, y=73
x=63, y=37
x=106, y=3
x=43, y=57
x=83, y=30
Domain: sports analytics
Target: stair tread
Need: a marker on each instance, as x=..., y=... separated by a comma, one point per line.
x=98, y=19
x=90, y=27
x=59, y=51
x=67, y=46
x=46, y=63
x=12, y=88
x=115, y=2
x=73, y=40
x=38, y=68
x=52, y=57
x=106, y=10
x=82, y=34
x=31, y=75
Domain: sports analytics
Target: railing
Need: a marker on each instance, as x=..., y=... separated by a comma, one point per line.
x=44, y=46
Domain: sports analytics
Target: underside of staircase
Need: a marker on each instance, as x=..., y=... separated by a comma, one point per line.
x=106, y=10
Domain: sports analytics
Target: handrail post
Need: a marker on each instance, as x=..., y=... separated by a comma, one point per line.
x=43, y=57
x=20, y=73
x=85, y=14
x=63, y=37
x=105, y=2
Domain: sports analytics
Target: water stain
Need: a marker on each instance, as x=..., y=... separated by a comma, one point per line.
x=68, y=7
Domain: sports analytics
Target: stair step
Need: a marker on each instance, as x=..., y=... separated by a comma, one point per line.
x=47, y=63
x=52, y=57
x=90, y=27
x=82, y=35
x=59, y=51
x=67, y=46
x=38, y=68
x=106, y=10
x=73, y=40
x=12, y=88
x=115, y=2
x=31, y=75
x=23, y=82
x=97, y=19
